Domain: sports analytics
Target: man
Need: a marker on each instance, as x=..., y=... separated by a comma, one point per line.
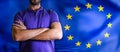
x=36, y=28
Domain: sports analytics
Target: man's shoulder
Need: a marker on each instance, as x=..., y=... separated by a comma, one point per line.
x=50, y=11
x=22, y=12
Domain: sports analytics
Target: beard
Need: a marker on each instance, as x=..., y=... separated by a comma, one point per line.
x=34, y=2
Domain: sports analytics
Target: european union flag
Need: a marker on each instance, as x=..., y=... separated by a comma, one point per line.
x=88, y=25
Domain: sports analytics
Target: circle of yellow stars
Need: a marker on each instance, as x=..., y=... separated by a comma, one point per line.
x=88, y=6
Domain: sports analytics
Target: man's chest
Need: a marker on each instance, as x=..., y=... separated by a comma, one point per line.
x=39, y=20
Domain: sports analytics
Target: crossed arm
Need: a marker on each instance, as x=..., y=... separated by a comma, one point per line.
x=20, y=33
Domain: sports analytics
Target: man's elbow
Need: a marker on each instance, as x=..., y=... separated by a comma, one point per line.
x=60, y=35
x=16, y=37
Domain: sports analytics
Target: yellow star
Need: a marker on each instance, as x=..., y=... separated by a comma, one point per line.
x=88, y=5
x=78, y=43
x=67, y=27
x=88, y=45
x=98, y=42
x=70, y=37
x=69, y=16
x=101, y=8
x=106, y=35
x=77, y=9
x=109, y=25
x=109, y=16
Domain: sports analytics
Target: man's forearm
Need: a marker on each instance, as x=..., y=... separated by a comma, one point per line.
x=24, y=34
x=51, y=34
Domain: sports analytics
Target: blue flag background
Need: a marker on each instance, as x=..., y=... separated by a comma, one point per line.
x=87, y=30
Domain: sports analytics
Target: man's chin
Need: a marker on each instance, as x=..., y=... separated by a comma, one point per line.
x=34, y=3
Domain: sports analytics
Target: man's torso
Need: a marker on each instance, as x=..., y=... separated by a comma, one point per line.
x=34, y=20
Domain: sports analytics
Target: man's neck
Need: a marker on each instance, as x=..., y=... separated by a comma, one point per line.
x=35, y=7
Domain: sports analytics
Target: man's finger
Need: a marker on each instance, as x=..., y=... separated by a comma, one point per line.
x=20, y=22
x=18, y=25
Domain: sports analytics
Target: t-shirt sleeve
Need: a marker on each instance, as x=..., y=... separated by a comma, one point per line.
x=54, y=16
x=16, y=18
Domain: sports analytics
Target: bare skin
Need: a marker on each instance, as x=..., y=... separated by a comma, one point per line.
x=21, y=33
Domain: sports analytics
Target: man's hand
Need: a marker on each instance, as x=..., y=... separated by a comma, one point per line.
x=20, y=25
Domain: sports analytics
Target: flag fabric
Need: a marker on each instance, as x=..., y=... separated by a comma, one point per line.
x=87, y=25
